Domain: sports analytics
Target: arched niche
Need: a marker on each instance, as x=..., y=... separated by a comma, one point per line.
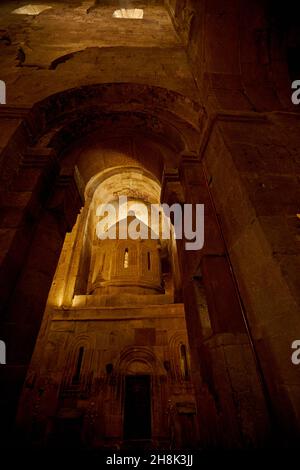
x=138, y=367
x=58, y=119
x=99, y=267
x=139, y=359
x=93, y=155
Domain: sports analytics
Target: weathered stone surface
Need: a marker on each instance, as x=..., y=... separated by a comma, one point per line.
x=89, y=46
x=200, y=101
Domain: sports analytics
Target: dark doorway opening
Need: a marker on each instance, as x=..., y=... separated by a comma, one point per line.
x=137, y=407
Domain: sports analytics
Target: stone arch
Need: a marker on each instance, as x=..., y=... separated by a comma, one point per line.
x=229, y=82
x=93, y=156
x=87, y=342
x=175, y=343
x=154, y=106
x=52, y=115
x=43, y=126
x=139, y=355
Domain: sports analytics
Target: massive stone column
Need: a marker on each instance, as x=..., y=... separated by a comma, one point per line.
x=252, y=166
x=38, y=207
x=233, y=408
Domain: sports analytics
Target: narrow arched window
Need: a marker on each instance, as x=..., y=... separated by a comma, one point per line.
x=76, y=376
x=184, y=362
x=149, y=260
x=126, y=258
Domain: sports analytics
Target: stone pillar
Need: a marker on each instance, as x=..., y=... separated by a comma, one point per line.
x=251, y=163
x=16, y=128
x=37, y=214
x=231, y=403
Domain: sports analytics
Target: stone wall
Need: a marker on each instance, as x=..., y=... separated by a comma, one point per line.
x=69, y=46
x=215, y=93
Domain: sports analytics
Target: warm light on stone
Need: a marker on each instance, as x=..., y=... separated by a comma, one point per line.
x=31, y=9
x=129, y=13
x=118, y=334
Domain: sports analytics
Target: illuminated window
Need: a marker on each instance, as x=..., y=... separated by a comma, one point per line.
x=129, y=13
x=31, y=9
x=126, y=258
